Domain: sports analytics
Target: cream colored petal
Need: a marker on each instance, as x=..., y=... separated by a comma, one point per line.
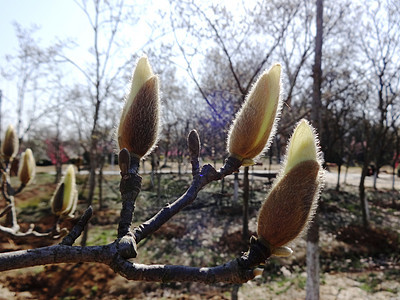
x=302, y=146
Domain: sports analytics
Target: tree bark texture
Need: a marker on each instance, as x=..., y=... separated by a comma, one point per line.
x=312, y=284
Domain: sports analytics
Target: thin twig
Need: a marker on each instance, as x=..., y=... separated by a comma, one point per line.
x=78, y=228
x=5, y=210
x=207, y=175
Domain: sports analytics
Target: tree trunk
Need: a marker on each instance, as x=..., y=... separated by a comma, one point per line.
x=376, y=177
x=100, y=184
x=363, y=200
x=312, y=261
x=236, y=188
x=338, y=177
x=312, y=284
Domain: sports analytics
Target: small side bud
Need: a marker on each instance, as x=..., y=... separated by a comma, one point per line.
x=65, y=197
x=10, y=145
x=292, y=201
x=255, y=123
x=124, y=161
x=193, y=141
x=27, y=167
x=139, y=124
x=282, y=251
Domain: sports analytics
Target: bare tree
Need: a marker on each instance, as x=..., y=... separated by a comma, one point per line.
x=379, y=42
x=234, y=52
x=30, y=69
x=102, y=74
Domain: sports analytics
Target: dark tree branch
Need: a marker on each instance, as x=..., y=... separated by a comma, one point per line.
x=78, y=228
x=207, y=175
x=116, y=254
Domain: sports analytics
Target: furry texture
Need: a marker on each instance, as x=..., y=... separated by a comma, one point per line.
x=65, y=198
x=255, y=123
x=292, y=201
x=142, y=73
x=27, y=167
x=193, y=141
x=139, y=130
x=305, y=147
x=290, y=205
x=10, y=145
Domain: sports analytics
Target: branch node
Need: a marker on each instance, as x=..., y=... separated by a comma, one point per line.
x=257, y=254
x=231, y=165
x=127, y=246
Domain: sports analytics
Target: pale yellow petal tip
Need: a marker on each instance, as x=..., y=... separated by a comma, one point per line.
x=275, y=71
x=143, y=68
x=247, y=162
x=302, y=146
x=282, y=251
x=142, y=73
x=257, y=272
x=69, y=187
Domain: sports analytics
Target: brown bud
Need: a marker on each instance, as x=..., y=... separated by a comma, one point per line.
x=193, y=141
x=290, y=205
x=139, y=125
x=57, y=200
x=124, y=161
x=10, y=145
x=27, y=167
x=292, y=200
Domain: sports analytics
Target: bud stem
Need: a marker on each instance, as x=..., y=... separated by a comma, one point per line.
x=129, y=187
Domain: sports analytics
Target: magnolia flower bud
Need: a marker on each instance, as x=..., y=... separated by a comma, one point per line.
x=256, y=121
x=10, y=145
x=27, y=167
x=139, y=124
x=193, y=142
x=292, y=200
x=65, y=197
x=282, y=251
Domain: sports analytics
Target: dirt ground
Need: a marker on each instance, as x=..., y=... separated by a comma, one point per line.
x=355, y=263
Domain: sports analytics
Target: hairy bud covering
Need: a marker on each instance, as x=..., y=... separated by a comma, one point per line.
x=27, y=167
x=193, y=141
x=65, y=197
x=292, y=200
x=139, y=124
x=10, y=145
x=255, y=123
